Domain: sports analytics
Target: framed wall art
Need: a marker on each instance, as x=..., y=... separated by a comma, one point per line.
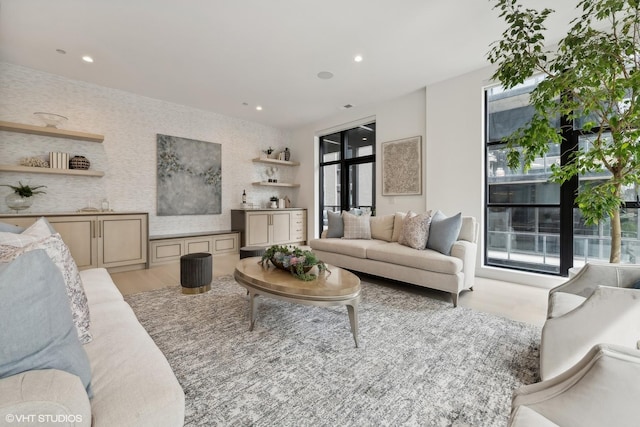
x=189, y=176
x=402, y=167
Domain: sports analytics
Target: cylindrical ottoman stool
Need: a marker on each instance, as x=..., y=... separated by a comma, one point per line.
x=195, y=273
x=249, y=251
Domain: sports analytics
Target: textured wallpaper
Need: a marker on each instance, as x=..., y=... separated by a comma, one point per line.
x=129, y=123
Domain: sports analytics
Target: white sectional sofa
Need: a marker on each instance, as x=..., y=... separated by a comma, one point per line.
x=132, y=382
x=385, y=257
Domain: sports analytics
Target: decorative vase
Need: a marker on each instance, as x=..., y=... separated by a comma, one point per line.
x=17, y=202
x=79, y=162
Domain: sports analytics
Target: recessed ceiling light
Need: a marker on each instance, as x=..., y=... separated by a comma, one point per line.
x=87, y=58
x=61, y=51
x=358, y=58
x=259, y=107
x=325, y=75
x=364, y=139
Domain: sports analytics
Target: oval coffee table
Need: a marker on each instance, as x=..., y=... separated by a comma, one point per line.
x=341, y=287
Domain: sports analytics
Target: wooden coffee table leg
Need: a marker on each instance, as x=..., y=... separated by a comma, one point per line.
x=352, y=308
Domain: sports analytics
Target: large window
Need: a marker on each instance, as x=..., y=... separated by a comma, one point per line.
x=347, y=170
x=532, y=224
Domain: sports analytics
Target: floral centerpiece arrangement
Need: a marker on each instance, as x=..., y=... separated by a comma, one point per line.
x=295, y=260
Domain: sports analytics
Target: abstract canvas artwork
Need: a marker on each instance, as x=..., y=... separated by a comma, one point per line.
x=189, y=176
x=402, y=167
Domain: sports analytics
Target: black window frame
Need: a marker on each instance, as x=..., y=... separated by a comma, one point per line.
x=345, y=164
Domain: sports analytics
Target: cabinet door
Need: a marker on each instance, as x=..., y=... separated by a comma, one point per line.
x=78, y=234
x=197, y=244
x=281, y=223
x=122, y=240
x=257, y=229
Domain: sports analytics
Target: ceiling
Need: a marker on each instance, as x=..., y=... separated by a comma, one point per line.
x=229, y=56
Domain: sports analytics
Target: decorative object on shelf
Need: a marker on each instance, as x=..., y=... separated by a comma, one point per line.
x=287, y=202
x=59, y=160
x=105, y=205
x=274, y=202
x=79, y=162
x=281, y=204
x=244, y=198
x=189, y=170
x=34, y=162
x=268, y=152
x=294, y=260
x=22, y=196
x=287, y=154
x=271, y=172
x=402, y=167
x=51, y=120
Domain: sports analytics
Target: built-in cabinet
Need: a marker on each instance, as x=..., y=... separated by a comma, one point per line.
x=270, y=227
x=117, y=241
x=167, y=249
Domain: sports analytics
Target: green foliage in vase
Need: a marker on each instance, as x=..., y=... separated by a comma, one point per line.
x=593, y=75
x=294, y=260
x=25, y=190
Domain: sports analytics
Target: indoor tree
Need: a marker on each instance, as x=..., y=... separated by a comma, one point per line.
x=592, y=78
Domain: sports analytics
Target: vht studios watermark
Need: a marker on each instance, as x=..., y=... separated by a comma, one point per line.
x=42, y=418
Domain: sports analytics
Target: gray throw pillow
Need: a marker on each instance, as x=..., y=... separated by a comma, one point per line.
x=336, y=226
x=10, y=228
x=356, y=227
x=37, y=329
x=443, y=232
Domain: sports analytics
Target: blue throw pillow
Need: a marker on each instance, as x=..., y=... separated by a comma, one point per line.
x=636, y=285
x=443, y=232
x=10, y=228
x=336, y=225
x=37, y=327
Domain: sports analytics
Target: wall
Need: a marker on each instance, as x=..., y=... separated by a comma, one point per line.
x=397, y=118
x=129, y=123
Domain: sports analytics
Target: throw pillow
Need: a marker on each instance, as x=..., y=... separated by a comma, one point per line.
x=415, y=230
x=401, y=239
x=356, y=227
x=382, y=227
x=36, y=231
x=444, y=232
x=336, y=226
x=59, y=253
x=37, y=329
x=397, y=225
x=636, y=285
x=10, y=228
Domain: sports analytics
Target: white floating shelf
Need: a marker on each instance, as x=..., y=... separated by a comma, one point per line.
x=50, y=131
x=276, y=184
x=52, y=171
x=276, y=162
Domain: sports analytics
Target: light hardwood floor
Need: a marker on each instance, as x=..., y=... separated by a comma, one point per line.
x=517, y=302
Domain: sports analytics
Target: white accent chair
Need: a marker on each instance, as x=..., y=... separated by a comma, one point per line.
x=602, y=389
x=596, y=306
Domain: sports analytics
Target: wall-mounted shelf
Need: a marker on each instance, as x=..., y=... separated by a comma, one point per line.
x=276, y=162
x=49, y=131
x=275, y=184
x=52, y=171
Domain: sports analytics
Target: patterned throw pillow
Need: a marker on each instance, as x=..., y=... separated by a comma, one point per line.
x=36, y=231
x=415, y=230
x=356, y=226
x=61, y=257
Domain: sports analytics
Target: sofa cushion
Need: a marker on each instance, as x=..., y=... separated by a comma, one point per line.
x=356, y=226
x=444, y=232
x=61, y=257
x=336, y=225
x=382, y=227
x=428, y=260
x=415, y=231
x=37, y=327
x=356, y=248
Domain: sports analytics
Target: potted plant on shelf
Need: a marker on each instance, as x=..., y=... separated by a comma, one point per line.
x=592, y=75
x=21, y=198
x=294, y=260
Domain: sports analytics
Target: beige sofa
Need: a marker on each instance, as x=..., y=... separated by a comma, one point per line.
x=387, y=258
x=132, y=382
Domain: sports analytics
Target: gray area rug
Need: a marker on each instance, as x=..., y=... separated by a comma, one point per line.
x=420, y=361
